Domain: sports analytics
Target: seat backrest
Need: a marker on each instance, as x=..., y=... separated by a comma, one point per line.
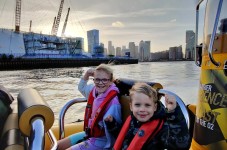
x=5, y=109
x=191, y=111
x=10, y=135
x=124, y=85
x=125, y=108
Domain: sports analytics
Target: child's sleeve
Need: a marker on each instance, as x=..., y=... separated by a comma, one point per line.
x=85, y=88
x=179, y=137
x=111, y=133
x=113, y=127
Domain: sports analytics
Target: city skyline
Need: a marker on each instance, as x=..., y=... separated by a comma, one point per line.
x=164, y=23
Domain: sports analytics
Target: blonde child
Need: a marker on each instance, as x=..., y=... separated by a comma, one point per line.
x=151, y=126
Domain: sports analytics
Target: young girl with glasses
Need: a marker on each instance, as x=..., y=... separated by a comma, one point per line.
x=102, y=119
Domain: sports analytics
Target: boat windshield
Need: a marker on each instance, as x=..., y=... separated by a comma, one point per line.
x=210, y=16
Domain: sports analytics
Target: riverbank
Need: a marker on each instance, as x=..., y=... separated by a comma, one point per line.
x=25, y=64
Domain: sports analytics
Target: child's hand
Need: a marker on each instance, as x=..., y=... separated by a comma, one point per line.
x=89, y=72
x=170, y=103
x=109, y=119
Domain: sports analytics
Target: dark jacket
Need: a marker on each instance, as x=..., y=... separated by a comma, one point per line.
x=173, y=135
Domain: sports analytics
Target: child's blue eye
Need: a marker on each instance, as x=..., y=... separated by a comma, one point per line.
x=137, y=105
x=147, y=105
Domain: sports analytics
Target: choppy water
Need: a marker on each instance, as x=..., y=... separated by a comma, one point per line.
x=58, y=85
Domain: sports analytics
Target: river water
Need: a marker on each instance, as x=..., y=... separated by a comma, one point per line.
x=58, y=85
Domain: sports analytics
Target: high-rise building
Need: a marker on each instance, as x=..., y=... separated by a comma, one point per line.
x=172, y=53
x=105, y=51
x=179, y=53
x=118, y=51
x=131, y=46
x=175, y=53
x=93, y=40
x=125, y=52
x=102, y=44
x=144, y=50
x=123, y=47
x=190, y=43
x=111, y=49
x=136, y=52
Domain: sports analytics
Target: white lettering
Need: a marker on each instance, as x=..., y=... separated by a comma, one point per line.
x=210, y=126
x=205, y=124
x=225, y=65
x=207, y=88
x=202, y=122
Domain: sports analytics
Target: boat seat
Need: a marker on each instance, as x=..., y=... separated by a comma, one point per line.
x=29, y=107
x=5, y=109
x=10, y=135
x=32, y=106
x=125, y=109
x=192, y=112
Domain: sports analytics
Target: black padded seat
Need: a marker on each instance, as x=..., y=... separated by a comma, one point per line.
x=5, y=100
x=124, y=85
x=10, y=136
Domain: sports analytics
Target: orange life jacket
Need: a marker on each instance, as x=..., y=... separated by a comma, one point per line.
x=94, y=130
x=145, y=133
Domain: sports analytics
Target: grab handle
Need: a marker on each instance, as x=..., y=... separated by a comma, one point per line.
x=196, y=33
x=62, y=115
x=213, y=35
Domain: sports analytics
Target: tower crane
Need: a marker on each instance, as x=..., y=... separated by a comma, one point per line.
x=17, y=15
x=65, y=23
x=56, y=24
x=30, y=27
x=52, y=30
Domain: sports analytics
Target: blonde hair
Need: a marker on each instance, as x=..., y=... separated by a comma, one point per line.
x=107, y=69
x=145, y=89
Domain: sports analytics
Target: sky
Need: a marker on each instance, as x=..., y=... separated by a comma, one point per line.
x=163, y=22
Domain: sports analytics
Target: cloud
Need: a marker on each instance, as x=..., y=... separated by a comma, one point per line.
x=173, y=20
x=118, y=24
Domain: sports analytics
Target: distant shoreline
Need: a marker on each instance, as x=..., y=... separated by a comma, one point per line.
x=167, y=60
x=25, y=64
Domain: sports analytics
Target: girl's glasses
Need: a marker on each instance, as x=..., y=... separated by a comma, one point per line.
x=104, y=81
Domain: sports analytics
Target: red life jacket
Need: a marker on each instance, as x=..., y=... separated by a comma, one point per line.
x=94, y=130
x=145, y=133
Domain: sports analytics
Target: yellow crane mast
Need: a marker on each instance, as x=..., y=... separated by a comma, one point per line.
x=56, y=24
x=17, y=15
x=65, y=23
